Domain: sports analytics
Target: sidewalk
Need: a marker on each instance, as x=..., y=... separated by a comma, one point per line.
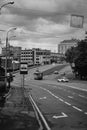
x=17, y=113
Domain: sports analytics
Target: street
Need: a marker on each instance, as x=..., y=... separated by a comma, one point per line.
x=63, y=107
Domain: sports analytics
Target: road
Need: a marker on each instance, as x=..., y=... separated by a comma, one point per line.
x=63, y=107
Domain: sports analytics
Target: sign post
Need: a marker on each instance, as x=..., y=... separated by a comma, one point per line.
x=23, y=71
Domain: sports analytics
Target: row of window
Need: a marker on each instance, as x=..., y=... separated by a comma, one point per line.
x=26, y=55
x=27, y=59
x=26, y=52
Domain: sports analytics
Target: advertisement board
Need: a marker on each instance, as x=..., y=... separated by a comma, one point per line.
x=76, y=21
x=23, y=68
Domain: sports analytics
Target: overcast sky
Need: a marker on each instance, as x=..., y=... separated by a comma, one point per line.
x=41, y=23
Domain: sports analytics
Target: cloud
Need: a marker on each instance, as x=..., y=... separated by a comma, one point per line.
x=40, y=21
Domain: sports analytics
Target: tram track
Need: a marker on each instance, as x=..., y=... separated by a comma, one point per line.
x=43, y=125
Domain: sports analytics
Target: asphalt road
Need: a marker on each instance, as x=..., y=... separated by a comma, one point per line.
x=63, y=107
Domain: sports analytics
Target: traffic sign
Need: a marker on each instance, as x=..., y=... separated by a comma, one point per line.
x=23, y=68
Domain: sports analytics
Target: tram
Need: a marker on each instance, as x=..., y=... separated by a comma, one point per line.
x=38, y=75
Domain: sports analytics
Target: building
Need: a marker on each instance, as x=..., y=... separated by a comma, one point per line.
x=27, y=56
x=13, y=57
x=56, y=57
x=41, y=56
x=66, y=44
x=12, y=52
x=35, y=56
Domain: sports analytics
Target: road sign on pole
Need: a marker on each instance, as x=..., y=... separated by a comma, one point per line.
x=23, y=68
x=76, y=21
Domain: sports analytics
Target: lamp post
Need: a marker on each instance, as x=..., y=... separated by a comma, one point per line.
x=12, y=54
x=11, y=2
x=11, y=29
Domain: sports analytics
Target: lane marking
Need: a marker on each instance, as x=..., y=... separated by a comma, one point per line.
x=81, y=96
x=85, y=113
x=61, y=100
x=70, y=97
x=62, y=116
x=67, y=103
x=75, y=87
x=77, y=108
x=43, y=98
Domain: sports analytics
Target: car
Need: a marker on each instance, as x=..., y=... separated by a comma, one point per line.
x=63, y=79
x=56, y=72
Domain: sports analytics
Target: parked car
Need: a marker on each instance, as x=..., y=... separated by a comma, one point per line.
x=63, y=79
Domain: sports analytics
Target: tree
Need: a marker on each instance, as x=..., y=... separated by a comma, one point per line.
x=78, y=56
x=70, y=55
x=0, y=61
x=81, y=59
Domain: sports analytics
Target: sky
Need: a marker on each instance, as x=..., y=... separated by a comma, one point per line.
x=41, y=23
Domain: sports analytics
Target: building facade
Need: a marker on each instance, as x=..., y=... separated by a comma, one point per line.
x=12, y=52
x=35, y=56
x=27, y=56
x=41, y=56
x=66, y=44
x=56, y=57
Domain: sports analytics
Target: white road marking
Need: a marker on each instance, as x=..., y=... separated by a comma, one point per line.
x=62, y=116
x=81, y=96
x=70, y=97
x=85, y=113
x=67, y=103
x=43, y=98
x=77, y=108
x=75, y=87
x=61, y=100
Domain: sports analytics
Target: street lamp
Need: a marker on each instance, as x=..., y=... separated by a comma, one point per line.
x=11, y=29
x=11, y=2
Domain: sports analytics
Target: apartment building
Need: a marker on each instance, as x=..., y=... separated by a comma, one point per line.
x=41, y=56
x=27, y=56
x=35, y=56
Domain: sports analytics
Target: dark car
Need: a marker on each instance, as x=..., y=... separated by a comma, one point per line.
x=56, y=72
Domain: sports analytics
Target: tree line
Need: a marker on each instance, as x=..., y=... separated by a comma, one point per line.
x=77, y=57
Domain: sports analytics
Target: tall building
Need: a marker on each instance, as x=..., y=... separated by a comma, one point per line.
x=66, y=44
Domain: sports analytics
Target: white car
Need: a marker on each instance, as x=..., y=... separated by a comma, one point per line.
x=63, y=79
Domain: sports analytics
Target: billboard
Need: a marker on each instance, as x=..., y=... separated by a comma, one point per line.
x=23, y=68
x=76, y=21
